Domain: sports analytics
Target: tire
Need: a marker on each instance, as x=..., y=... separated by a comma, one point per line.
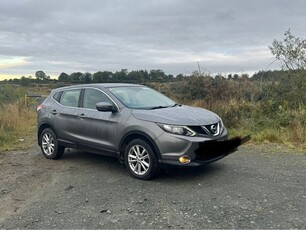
x=49, y=145
x=140, y=160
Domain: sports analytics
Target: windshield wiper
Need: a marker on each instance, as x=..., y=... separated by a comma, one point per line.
x=159, y=107
x=163, y=106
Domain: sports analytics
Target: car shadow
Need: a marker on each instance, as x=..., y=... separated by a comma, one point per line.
x=96, y=160
x=187, y=174
x=102, y=162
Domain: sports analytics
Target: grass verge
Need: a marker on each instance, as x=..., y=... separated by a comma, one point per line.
x=17, y=126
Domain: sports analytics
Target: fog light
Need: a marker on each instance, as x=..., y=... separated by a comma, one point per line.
x=184, y=159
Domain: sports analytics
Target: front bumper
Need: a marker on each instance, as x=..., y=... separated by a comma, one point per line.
x=200, y=150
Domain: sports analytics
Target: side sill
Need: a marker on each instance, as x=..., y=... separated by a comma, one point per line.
x=65, y=143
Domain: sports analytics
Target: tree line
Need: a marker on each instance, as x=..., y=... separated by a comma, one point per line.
x=144, y=77
x=135, y=76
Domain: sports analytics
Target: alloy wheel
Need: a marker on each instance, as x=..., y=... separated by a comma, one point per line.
x=139, y=159
x=48, y=144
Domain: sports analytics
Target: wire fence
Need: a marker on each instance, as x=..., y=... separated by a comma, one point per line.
x=33, y=100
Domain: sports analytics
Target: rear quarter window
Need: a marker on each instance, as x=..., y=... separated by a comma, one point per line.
x=57, y=96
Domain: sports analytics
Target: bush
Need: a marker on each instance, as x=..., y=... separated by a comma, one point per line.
x=269, y=108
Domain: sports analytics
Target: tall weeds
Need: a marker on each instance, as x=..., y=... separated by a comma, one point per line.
x=271, y=106
x=269, y=109
x=16, y=123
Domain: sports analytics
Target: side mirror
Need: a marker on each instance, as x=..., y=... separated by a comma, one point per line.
x=106, y=107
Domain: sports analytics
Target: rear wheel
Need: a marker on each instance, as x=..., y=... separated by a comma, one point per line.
x=49, y=145
x=140, y=160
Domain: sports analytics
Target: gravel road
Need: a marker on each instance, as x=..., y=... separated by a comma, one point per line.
x=253, y=188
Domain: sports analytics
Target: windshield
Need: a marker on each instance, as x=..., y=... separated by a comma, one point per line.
x=141, y=97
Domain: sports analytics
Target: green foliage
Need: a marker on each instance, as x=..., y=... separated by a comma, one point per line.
x=40, y=75
x=270, y=106
x=291, y=52
x=63, y=77
x=11, y=93
x=75, y=77
x=284, y=89
x=137, y=76
x=25, y=81
x=86, y=77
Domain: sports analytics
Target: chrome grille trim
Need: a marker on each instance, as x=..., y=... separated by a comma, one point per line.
x=211, y=130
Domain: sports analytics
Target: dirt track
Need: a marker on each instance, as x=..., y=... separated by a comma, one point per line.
x=253, y=188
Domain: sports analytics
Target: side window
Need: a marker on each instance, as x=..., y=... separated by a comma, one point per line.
x=57, y=96
x=70, y=98
x=92, y=97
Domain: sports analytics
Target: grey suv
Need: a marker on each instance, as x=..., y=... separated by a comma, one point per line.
x=143, y=128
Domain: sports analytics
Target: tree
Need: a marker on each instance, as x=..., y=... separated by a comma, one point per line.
x=75, y=77
x=63, y=77
x=291, y=51
x=179, y=77
x=120, y=76
x=157, y=75
x=97, y=77
x=104, y=76
x=245, y=76
x=86, y=77
x=40, y=75
x=25, y=81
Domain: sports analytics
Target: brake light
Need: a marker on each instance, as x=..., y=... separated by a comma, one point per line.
x=39, y=107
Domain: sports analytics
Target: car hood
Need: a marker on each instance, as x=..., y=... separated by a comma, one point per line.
x=179, y=115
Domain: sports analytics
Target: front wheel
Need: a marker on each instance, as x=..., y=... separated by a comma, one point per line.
x=49, y=145
x=140, y=160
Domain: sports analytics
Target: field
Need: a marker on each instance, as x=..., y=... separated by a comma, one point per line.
x=17, y=122
x=269, y=106
x=270, y=110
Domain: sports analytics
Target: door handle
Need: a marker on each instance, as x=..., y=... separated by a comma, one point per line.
x=82, y=116
x=54, y=112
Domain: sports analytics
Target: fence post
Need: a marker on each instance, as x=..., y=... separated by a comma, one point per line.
x=25, y=100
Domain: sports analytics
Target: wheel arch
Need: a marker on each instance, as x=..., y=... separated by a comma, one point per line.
x=41, y=128
x=128, y=137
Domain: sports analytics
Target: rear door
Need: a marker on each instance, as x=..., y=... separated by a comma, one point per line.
x=66, y=115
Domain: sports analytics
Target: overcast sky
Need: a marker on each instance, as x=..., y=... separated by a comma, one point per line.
x=224, y=36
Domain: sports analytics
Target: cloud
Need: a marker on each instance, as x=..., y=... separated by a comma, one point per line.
x=67, y=36
x=11, y=62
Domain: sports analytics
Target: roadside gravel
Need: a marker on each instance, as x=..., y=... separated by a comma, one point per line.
x=256, y=187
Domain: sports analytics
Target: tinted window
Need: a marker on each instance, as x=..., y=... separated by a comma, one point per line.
x=57, y=96
x=92, y=97
x=70, y=98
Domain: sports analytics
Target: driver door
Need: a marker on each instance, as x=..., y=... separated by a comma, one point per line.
x=97, y=126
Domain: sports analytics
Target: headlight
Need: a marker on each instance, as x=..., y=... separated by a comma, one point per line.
x=175, y=129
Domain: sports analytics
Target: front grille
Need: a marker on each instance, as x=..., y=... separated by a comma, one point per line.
x=212, y=129
x=199, y=130
x=207, y=130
